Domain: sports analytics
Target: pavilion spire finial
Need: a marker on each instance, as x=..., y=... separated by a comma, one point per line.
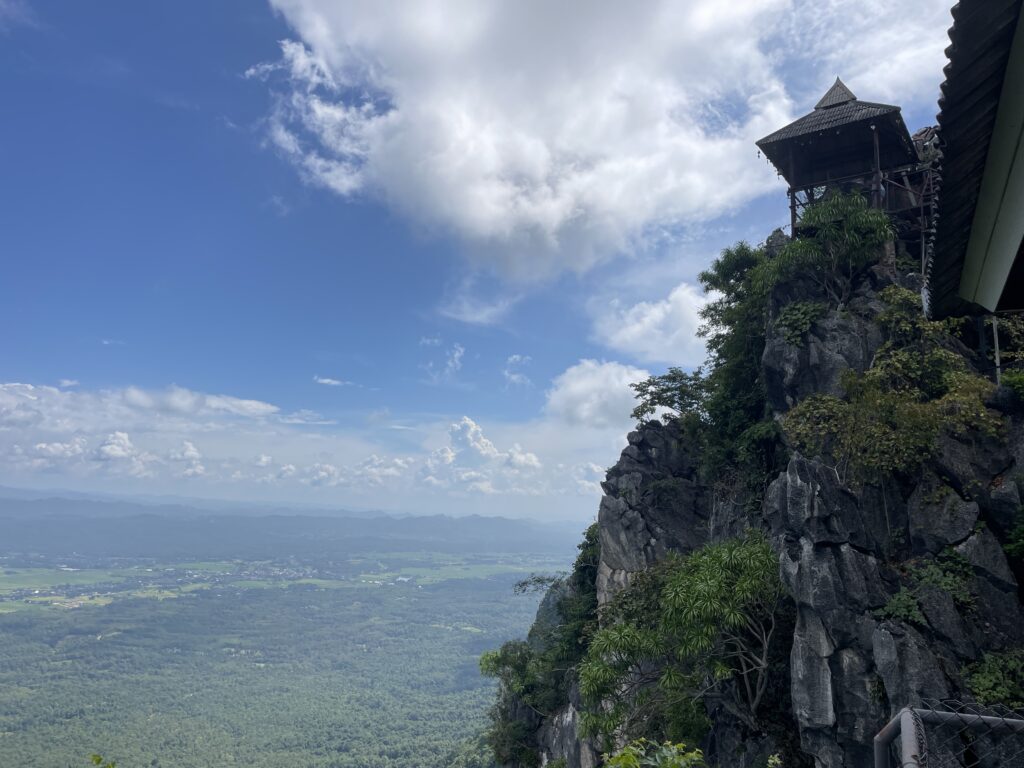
x=837, y=94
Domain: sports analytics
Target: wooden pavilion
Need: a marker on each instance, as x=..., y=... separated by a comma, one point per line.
x=851, y=144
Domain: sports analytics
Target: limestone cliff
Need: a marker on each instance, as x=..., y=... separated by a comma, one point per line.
x=844, y=551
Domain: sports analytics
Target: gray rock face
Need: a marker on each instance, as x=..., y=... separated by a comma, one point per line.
x=653, y=504
x=843, y=554
x=838, y=342
x=560, y=738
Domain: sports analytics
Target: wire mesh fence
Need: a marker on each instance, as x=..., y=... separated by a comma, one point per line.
x=952, y=734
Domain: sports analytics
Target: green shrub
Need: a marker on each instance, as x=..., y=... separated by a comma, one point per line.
x=796, y=318
x=949, y=572
x=892, y=415
x=999, y=679
x=643, y=753
x=903, y=606
x=1015, y=381
x=843, y=236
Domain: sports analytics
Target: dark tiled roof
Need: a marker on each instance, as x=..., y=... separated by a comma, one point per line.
x=981, y=37
x=837, y=94
x=827, y=118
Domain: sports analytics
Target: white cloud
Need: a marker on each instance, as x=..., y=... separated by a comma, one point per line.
x=321, y=474
x=305, y=416
x=594, y=394
x=58, y=450
x=882, y=50
x=466, y=307
x=447, y=370
x=183, y=401
x=263, y=460
x=513, y=376
x=377, y=470
x=189, y=455
x=662, y=331
x=67, y=383
x=470, y=462
x=119, y=453
x=549, y=136
x=465, y=434
x=328, y=382
x=117, y=446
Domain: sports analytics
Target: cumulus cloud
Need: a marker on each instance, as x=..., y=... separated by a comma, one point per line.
x=551, y=136
x=471, y=462
x=119, y=453
x=67, y=383
x=191, y=457
x=594, y=394
x=663, y=331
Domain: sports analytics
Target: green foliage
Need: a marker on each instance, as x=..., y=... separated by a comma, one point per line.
x=949, y=572
x=648, y=754
x=347, y=677
x=98, y=760
x=536, y=673
x=1015, y=381
x=903, y=606
x=843, y=236
x=688, y=626
x=999, y=679
x=892, y=415
x=796, y=318
x=723, y=405
x=677, y=391
x=472, y=753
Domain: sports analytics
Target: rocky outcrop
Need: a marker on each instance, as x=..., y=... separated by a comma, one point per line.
x=843, y=554
x=560, y=738
x=653, y=503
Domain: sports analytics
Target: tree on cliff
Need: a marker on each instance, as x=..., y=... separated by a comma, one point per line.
x=696, y=625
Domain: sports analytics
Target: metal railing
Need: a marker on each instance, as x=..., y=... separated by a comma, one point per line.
x=952, y=734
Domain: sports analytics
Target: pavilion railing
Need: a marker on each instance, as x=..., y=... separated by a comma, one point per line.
x=952, y=734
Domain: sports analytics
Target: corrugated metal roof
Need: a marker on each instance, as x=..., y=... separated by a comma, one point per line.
x=981, y=38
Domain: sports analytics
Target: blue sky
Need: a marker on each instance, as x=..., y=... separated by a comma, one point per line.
x=360, y=255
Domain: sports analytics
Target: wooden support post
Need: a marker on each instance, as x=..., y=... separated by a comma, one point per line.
x=876, y=187
x=792, y=212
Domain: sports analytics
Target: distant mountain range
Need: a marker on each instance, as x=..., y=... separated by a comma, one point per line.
x=118, y=528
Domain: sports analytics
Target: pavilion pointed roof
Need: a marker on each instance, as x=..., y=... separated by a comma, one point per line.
x=834, y=140
x=837, y=94
x=836, y=108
